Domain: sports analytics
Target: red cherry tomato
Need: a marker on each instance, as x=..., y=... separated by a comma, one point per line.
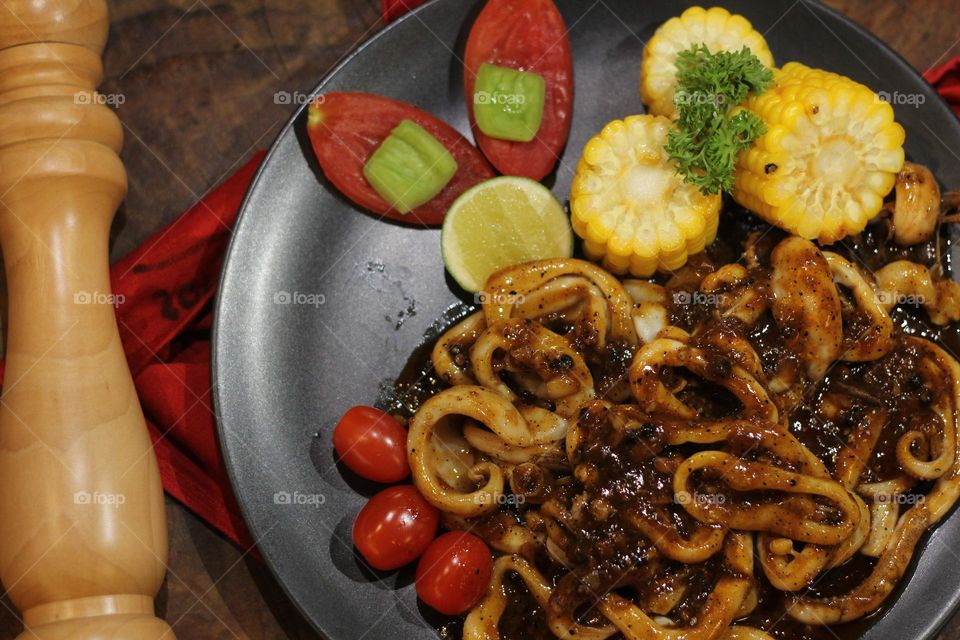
x=395, y=527
x=372, y=444
x=528, y=35
x=346, y=128
x=454, y=572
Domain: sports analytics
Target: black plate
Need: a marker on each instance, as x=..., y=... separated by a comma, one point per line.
x=321, y=305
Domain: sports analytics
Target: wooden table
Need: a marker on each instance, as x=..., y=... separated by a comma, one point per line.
x=198, y=78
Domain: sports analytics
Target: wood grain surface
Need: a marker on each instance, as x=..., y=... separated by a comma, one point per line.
x=64, y=432
x=197, y=80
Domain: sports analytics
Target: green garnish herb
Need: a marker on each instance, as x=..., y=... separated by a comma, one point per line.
x=711, y=129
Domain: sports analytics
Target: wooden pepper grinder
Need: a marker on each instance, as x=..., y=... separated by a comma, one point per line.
x=83, y=540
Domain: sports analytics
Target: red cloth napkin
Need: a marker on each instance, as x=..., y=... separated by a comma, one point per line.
x=393, y=9
x=946, y=79
x=167, y=287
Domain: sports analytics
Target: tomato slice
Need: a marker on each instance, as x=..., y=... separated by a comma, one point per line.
x=528, y=35
x=346, y=128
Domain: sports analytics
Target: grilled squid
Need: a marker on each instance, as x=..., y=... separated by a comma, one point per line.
x=639, y=502
x=540, y=362
x=702, y=543
x=483, y=621
x=650, y=315
x=871, y=593
x=943, y=367
x=495, y=447
x=796, y=514
x=903, y=281
x=737, y=293
x=487, y=408
x=916, y=210
x=872, y=339
x=806, y=305
x=654, y=396
x=716, y=614
x=509, y=291
x=894, y=548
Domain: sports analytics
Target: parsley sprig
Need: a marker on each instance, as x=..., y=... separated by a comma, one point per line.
x=711, y=128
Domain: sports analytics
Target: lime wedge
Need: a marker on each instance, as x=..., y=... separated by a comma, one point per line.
x=501, y=222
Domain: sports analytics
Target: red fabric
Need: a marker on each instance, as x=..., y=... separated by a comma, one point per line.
x=167, y=286
x=946, y=79
x=393, y=9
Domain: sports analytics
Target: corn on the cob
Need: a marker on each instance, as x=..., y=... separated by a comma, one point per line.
x=716, y=28
x=831, y=153
x=631, y=207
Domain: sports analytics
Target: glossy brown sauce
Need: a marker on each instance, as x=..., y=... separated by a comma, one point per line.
x=633, y=474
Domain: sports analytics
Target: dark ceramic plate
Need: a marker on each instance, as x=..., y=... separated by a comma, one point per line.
x=321, y=304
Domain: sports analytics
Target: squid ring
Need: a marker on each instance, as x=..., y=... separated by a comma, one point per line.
x=869, y=594
x=716, y=614
x=566, y=293
x=548, y=368
x=736, y=298
x=654, y=397
x=877, y=340
x=933, y=469
x=484, y=406
x=783, y=517
x=483, y=620
x=702, y=544
x=505, y=288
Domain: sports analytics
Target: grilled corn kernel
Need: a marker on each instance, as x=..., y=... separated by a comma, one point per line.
x=831, y=153
x=717, y=28
x=632, y=209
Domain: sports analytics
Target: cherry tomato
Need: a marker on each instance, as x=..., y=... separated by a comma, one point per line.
x=395, y=527
x=372, y=444
x=346, y=128
x=454, y=572
x=528, y=35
